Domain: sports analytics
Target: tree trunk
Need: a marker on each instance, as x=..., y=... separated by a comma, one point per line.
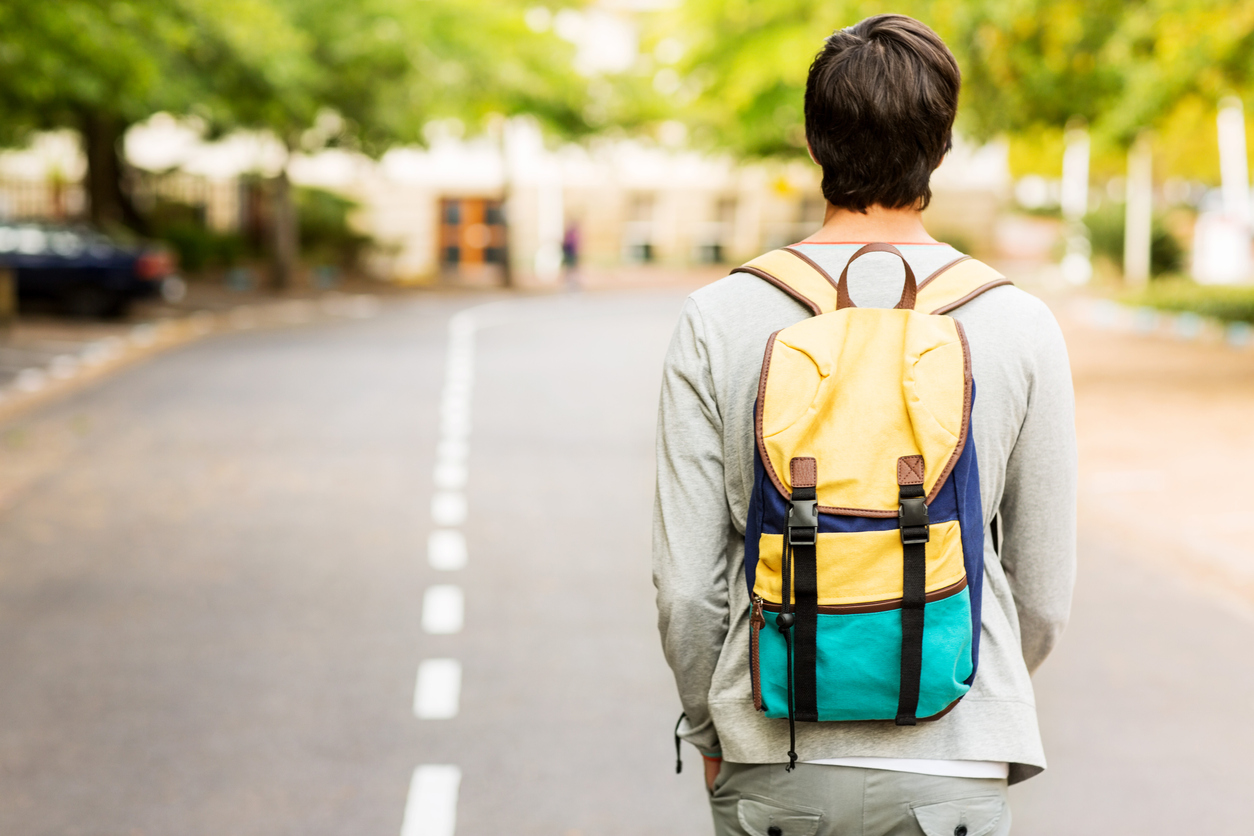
x=286, y=231
x=1138, y=229
x=109, y=204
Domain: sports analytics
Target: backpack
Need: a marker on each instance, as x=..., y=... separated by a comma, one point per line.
x=864, y=544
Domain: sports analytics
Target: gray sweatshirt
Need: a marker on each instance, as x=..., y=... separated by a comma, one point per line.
x=1024, y=432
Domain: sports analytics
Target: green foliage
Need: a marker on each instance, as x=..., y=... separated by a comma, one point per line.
x=367, y=73
x=197, y=247
x=1225, y=303
x=745, y=65
x=1106, y=234
x=383, y=68
x=325, y=232
x=129, y=58
x=1029, y=66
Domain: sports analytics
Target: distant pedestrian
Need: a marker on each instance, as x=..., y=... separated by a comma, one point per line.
x=848, y=640
x=570, y=256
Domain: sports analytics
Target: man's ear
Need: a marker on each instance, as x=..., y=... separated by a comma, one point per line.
x=810, y=151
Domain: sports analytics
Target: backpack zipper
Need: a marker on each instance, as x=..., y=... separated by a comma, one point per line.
x=756, y=622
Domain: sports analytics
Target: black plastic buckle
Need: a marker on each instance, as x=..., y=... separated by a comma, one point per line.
x=912, y=515
x=803, y=522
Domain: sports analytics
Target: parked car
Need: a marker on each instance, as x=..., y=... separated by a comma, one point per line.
x=87, y=272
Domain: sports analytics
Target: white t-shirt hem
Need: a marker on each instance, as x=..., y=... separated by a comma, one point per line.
x=923, y=766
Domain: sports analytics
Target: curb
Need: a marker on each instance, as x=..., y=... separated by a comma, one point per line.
x=66, y=372
x=1107, y=315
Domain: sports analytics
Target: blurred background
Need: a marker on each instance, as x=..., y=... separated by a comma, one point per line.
x=330, y=341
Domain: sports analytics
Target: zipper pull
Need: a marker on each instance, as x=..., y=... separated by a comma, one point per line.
x=757, y=617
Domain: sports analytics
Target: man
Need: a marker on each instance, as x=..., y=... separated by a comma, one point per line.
x=879, y=106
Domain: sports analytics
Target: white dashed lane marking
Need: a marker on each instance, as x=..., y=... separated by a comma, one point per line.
x=432, y=806
x=446, y=550
x=438, y=691
x=450, y=475
x=452, y=451
x=431, y=809
x=448, y=508
x=442, y=607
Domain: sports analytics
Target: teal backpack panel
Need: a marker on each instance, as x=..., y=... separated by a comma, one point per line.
x=859, y=656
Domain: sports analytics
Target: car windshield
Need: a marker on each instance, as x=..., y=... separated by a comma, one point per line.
x=69, y=242
x=66, y=242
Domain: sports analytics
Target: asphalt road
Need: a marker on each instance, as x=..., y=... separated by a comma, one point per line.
x=215, y=601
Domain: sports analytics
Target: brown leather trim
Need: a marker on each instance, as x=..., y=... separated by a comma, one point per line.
x=856, y=512
x=880, y=606
x=942, y=269
x=942, y=712
x=909, y=290
x=944, y=309
x=910, y=470
x=757, y=418
x=966, y=412
x=813, y=264
x=762, y=274
x=803, y=472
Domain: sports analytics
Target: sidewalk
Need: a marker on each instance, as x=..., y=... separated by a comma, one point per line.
x=1166, y=430
x=45, y=354
x=1145, y=706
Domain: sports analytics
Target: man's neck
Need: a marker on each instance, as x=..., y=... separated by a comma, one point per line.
x=894, y=226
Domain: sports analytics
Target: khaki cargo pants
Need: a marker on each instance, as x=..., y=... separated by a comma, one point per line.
x=819, y=800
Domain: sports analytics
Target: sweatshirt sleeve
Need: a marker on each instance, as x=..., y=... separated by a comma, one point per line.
x=1038, y=504
x=691, y=521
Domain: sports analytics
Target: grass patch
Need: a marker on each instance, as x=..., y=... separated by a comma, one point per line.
x=1223, y=302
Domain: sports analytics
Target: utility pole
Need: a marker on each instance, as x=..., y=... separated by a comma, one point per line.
x=1234, y=171
x=1137, y=230
x=1077, y=265
x=1233, y=167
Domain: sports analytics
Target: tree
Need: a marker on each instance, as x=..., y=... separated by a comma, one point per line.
x=1123, y=68
x=1029, y=66
x=372, y=73
x=365, y=74
x=91, y=66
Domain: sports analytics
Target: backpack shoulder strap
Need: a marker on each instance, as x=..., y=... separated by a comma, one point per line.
x=956, y=284
x=949, y=288
x=796, y=275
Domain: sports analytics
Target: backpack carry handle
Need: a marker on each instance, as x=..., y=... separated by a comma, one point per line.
x=908, y=292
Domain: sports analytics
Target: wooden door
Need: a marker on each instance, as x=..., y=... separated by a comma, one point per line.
x=473, y=239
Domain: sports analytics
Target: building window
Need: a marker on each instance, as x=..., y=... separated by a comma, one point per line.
x=715, y=238
x=638, y=230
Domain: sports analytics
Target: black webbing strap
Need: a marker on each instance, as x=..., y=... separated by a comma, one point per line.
x=806, y=589
x=679, y=755
x=786, y=628
x=914, y=537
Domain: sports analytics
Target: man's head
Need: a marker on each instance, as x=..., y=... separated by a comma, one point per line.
x=880, y=105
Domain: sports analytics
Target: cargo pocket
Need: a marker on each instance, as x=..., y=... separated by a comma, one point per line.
x=764, y=818
x=976, y=816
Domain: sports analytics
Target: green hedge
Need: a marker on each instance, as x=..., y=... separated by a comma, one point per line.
x=197, y=247
x=1106, y=235
x=1226, y=303
x=326, y=237
x=325, y=233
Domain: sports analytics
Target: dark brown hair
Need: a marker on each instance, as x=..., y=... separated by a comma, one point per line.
x=880, y=105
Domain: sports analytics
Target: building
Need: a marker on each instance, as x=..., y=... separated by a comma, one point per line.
x=498, y=208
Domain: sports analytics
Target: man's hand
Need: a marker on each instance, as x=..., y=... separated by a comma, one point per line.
x=712, y=766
